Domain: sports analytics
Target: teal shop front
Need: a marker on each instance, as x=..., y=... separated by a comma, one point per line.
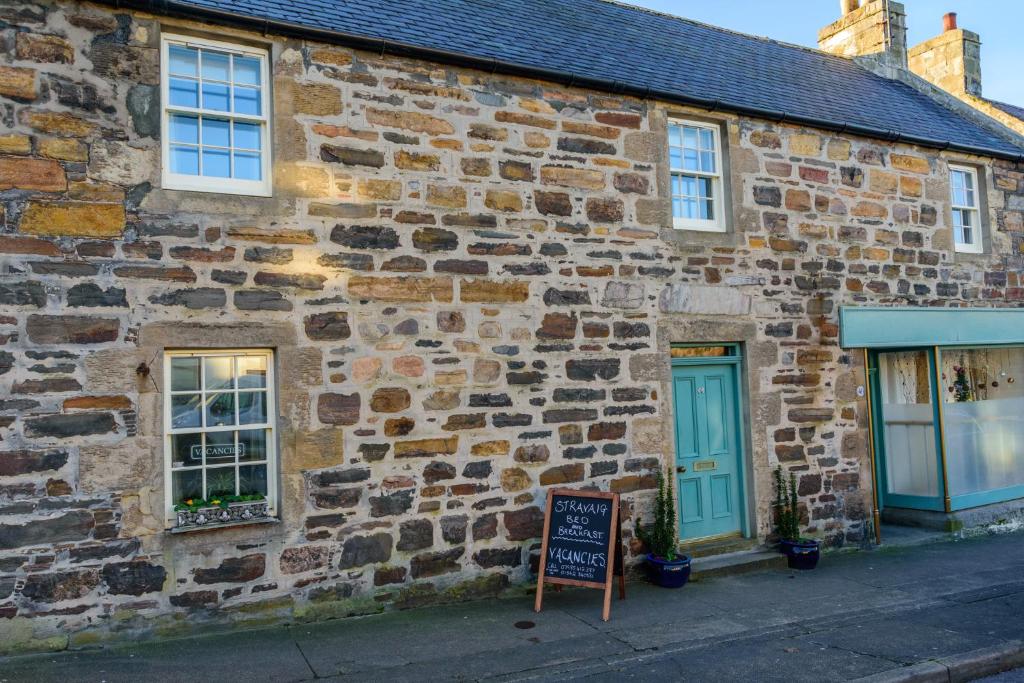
x=709, y=442
x=946, y=388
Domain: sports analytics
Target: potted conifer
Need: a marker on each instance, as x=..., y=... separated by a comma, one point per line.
x=665, y=566
x=801, y=553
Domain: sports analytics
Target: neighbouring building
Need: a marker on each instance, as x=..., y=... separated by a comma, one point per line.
x=306, y=305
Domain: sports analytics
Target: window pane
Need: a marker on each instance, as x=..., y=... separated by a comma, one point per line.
x=959, y=196
x=184, y=60
x=220, y=448
x=186, y=450
x=252, y=445
x=184, y=93
x=247, y=135
x=247, y=70
x=677, y=207
x=689, y=186
x=185, y=374
x=707, y=211
x=220, y=481
x=675, y=156
x=220, y=410
x=185, y=411
x=252, y=407
x=690, y=138
x=217, y=163
x=247, y=101
x=252, y=372
x=707, y=162
x=966, y=236
x=969, y=196
x=248, y=166
x=706, y=186
x=215, y=65
x=984, y=399
x=908, y=425
x=187, y=485
x=185, y=160
x=185, y=129
x=216, y=132
x=215, y=96
x=675, y=136
x=690, y=160
x=956, y=179
x=219, y=372
x=958, y=220
x=968, y=181
x=252, y=480
x=690, y=208
x=707, y=139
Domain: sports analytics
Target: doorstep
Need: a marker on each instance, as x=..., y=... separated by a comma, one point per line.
x=731, y=564
x=729, y=556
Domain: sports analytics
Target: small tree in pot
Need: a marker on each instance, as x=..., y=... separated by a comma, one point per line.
x=801, y=553
x=665, y=566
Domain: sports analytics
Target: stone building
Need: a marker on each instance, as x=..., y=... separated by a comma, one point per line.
x=306, y=305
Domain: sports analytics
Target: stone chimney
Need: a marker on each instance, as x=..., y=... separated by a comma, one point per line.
x=876, y=30
x=951, y=60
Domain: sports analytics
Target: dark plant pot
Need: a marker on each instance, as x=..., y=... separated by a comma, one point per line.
x=667, y=574
x=801, y=554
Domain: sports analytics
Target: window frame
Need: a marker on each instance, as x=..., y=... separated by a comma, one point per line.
x=270, y=425
x=718, y=224
x=977, y=244
x=201, y=183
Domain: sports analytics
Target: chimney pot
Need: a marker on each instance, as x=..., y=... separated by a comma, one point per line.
x=949, y=21
x=847, y=6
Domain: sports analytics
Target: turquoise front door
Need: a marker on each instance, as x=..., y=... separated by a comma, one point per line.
x=708, y=469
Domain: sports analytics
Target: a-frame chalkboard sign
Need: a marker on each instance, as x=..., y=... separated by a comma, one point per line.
x=582, y=544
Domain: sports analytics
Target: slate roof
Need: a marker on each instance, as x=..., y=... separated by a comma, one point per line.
x=599, y=39
x=1011, y=109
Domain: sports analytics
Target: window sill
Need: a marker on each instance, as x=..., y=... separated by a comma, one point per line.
x=223, y=525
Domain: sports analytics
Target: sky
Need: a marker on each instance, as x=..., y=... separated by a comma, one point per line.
x=998, y=22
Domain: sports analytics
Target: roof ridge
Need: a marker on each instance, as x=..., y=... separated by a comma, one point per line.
x=722, y=29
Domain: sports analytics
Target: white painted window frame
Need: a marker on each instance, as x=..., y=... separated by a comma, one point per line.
x=199, y=183
x=718, y=224
x=270, y=425
x=976, y=245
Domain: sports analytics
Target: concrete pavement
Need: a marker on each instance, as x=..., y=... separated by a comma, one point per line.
x=887, y=614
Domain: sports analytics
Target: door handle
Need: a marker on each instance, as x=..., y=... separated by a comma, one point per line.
x=681, y=469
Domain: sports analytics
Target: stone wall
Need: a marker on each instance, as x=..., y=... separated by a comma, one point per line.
x=471, y=287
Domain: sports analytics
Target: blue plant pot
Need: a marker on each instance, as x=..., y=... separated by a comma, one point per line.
x=667, y=574
x=801, y=554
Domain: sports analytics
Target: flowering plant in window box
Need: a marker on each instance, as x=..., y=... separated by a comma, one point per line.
x=196, y=512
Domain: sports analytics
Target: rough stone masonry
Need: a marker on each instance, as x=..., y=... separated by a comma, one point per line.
x=471, y=285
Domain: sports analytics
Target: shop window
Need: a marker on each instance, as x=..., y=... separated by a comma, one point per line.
x=695, y=164
x=219, y=427
x=983, y=403
x=215, y=117
x=909, y=423
x=966, y=202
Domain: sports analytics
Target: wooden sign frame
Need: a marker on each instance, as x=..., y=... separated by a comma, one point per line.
x=616, y=557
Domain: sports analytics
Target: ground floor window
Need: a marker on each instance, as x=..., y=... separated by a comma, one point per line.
x=950, y=430
x=984, y=406
x=219, y=422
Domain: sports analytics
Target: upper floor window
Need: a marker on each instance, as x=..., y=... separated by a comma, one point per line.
x=219, y=422
x=963, y=183
x=215, y=117
x=695, y=162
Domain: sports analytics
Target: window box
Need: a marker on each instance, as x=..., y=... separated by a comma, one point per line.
x=240, y=512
